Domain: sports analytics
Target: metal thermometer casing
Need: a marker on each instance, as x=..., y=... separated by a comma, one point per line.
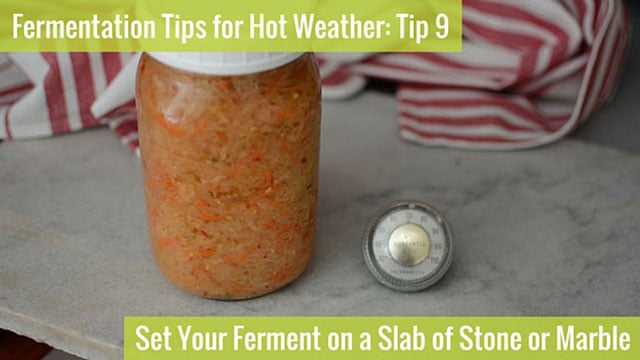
x=400, y=272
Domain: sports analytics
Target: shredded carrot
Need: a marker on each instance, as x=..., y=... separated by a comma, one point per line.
x=285, y=113
x=165, y=242
x=251, y=247
x=199, y=127
x=154, y=184
x=228, y=260
x=282, y=274
x=201, y=203
x=267, y=180
x=225, y=85
x=172, y=128
x=166, y=180
x=207, y=216
x=233, y=172
x=285, y=210
x=268, y=196
x=287, y=228
x=270, y=225
x=235, y=287
x=152, y=215
x=214, y=188
x=256, y=155
x=169, y=185
x=279, y=277
x=272, y=190
x=207, y=253
x=224, y=138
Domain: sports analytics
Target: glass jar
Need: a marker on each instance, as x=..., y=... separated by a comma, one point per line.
x=230, y=167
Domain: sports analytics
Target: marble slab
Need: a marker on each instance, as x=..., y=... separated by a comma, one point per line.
x=552, y=231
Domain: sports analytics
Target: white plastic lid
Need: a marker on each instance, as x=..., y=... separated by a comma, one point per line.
x=224, y=63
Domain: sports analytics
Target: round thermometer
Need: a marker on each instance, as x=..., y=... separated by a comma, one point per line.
x=408, y=246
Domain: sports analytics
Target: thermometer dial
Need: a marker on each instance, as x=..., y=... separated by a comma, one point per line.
x=408, y=246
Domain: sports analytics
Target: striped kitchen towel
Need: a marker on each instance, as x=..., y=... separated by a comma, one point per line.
x=52, y=93
x=530, y=73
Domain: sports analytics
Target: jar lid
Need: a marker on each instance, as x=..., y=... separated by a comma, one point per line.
x=224, y=63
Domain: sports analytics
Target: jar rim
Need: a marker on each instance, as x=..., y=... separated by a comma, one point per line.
x=225, y=63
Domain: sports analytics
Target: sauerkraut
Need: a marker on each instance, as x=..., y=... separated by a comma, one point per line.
x=230, y=169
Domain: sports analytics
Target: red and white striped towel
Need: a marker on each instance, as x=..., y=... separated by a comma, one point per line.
x=530, y=73
x=46, y=94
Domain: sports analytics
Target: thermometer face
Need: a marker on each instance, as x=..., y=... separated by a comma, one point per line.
x=408, y=246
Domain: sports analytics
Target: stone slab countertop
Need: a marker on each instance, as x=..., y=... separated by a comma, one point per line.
x=551, y=231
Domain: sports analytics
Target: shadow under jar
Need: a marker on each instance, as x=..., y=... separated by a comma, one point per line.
x=229, y=148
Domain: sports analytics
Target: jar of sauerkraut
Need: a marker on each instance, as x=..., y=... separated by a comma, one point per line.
x=229, y=147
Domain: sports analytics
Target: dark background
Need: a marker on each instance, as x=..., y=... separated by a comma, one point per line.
x=618, y=123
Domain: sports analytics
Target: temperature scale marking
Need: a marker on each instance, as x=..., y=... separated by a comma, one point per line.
x=408, y=246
